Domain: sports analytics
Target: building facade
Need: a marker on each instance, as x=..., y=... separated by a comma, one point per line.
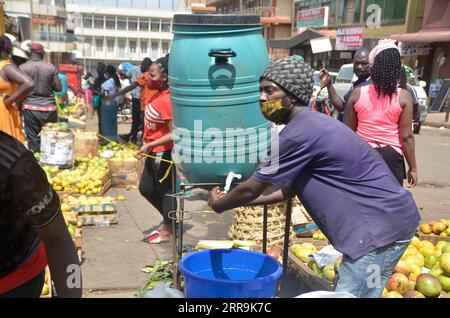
x=114, y=31
x=276, y=15
x=376, y=18
x=43, y=21
x=431, y=46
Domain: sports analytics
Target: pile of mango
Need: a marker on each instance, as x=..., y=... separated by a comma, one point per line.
x=422, y=272
x=85, y=178
x=440, y=228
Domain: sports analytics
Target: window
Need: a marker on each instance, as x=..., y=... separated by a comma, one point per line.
x=121, y=24
x=99, y=44
x=143, y=24
x=155, y=26
x=99, y=22
x=111, y=23
x=345, y=75
x=121, y=47
x=133, y=46
x=393, y=11
x=144, y=46
x=87, y=22
x=110, y=43
x=132, y=24
x=165, y=26
x=87, y=40
x=155, y=49
x=165, y=47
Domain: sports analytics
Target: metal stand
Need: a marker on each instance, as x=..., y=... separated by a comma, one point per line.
x=181, y=215
x=447, y=109
x=178, y=217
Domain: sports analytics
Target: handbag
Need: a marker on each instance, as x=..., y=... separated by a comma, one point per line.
x=96, y=100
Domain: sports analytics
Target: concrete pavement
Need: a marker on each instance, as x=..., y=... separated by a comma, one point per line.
x=437, y=120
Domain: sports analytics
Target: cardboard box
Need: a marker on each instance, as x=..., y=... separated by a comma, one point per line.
x=85, y=144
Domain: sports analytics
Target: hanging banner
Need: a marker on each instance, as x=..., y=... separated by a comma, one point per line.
x=321, y=45
x=349, y=38
x=317, y=17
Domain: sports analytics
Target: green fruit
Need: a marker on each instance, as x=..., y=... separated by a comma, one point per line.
x=71, y=229
x=393, y=294
x=328, y=273
x=64, y=127
x=430, y=260
x=436, y=271
x=315, y=268
x=303, y=256
x=444, y=263
x=446, y=249
x=128, y=187
x=445, y=282
x=428, y=285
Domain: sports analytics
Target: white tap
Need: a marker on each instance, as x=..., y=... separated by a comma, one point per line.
x=230, y=177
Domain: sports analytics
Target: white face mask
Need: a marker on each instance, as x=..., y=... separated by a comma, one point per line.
x=107, y=76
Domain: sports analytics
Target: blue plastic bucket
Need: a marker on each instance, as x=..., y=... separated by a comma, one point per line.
x=229, y=273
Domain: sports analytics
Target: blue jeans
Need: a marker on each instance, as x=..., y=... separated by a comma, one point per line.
x=367, y=276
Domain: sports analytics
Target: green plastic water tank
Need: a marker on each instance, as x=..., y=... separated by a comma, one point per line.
x=215, y=65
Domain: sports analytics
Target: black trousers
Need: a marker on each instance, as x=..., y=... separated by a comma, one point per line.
x=136, y=117
x=394, y=161
x=154, y=191
x=31, y=289
x=34, y=120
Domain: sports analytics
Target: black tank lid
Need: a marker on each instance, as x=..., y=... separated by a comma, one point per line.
x=216, y=19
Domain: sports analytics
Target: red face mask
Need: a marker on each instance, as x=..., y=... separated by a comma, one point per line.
x=155, y=85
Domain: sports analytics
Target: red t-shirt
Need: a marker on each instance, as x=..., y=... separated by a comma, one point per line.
x=157, y=113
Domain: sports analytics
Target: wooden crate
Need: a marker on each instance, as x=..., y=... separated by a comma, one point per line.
x=95, y=208
x=97, y=214
x=99, y=218
x=311, y=279
x=432, y=238
x=77, y=238
x=306, y=274
x=71, y=217
x=319, y=244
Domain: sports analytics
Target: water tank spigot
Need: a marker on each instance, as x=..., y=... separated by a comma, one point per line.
x=230, y=177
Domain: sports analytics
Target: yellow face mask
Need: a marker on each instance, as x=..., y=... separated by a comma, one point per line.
x=274, y=110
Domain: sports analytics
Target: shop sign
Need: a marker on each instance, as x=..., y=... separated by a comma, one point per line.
x=43, y=20
x=414, y=49
x=320, y=45
x=349, y=38
x=317, y=17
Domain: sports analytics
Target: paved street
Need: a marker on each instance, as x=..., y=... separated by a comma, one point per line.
x=114, y=255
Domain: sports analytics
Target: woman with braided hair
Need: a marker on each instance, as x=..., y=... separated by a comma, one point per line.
x=381, y=113
x=157, y=142
x=343, y=183
x=15, y=85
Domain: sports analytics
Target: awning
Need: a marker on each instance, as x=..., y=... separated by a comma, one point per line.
x=423, y=36
x=296, y=40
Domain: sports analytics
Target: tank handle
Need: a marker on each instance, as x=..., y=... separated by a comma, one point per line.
x=222, y=55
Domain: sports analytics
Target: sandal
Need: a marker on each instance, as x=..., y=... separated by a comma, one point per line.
x=155, y=238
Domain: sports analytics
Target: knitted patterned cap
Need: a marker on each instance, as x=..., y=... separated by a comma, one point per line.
x=293, y=75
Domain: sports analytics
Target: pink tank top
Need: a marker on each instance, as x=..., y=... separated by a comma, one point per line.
x=378, y=118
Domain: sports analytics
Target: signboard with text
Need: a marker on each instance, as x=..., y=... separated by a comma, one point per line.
x=317, y=17
x=349, y=38
x=414, y=49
